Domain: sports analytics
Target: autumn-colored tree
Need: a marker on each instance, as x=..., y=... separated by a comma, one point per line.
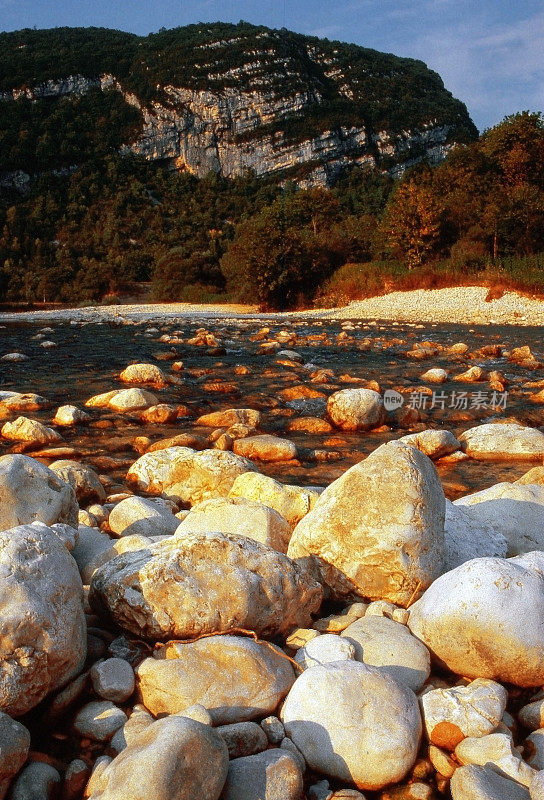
x=412, y=223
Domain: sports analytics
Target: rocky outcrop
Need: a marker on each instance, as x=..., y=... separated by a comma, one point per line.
x=224, y=112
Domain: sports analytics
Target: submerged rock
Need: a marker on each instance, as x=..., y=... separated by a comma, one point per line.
x=505, y=441
x=356, y=409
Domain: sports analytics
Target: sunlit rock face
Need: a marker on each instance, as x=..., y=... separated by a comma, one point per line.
x=274, y=102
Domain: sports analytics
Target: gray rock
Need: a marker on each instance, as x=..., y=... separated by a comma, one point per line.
x=99, y=720
x=113, y=679
x=37, y=781
x=243, y=738
x=273, y=775
x=273, y=728
x=14, y=747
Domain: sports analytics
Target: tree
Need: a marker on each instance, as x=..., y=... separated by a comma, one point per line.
x=412, y=223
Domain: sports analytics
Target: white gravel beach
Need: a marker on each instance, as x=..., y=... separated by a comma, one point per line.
x=460, y=305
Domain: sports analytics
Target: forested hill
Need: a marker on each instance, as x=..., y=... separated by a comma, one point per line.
x=220, y=98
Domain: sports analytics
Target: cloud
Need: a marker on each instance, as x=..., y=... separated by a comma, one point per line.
x=495, y=69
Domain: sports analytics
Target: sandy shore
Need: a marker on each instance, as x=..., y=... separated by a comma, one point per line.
x=462, y=305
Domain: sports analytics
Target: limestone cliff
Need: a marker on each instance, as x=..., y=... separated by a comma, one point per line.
x=272, y=102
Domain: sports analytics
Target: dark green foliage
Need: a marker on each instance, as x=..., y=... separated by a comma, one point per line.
x=53, y=134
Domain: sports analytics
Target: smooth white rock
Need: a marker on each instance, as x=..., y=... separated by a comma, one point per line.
x=353, y=723
x=325, y=649
x=470, y=619
x=389, y=646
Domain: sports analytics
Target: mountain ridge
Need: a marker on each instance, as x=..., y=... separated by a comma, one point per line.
x=222, y=98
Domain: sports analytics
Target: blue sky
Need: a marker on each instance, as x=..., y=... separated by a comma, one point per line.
x=488, y=52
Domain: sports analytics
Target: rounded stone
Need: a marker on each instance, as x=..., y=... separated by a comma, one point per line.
x=328, y=703
x=356, y=409
x=470, y=619
x=380, y=642
x=99, y=720
x=113, y=679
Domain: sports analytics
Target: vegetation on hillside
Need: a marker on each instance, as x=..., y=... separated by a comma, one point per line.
x=93, y=223
x=342, y=84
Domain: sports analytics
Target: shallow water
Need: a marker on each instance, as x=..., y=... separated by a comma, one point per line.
x=88, y=359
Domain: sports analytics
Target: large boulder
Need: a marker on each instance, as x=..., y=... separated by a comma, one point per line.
x=203, y=583
x=84, y=480
x=176, y=758
x=356, y=409
x=30, y=492
x=378, y=531
x=353, y=723
x=239, y=516
x=292, y=502
x=504, y=441
x=235, y=678
x=515, y=510
x=42, y=623
x=485, y=619
x=186, y=474
x=470, y=535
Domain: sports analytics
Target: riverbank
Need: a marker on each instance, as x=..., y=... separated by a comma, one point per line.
x=458, y=305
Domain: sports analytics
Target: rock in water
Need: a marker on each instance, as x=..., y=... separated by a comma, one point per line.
x=42, y=624
x=354, y=723
x=378, y=531
x=508, y=440
x=187, y=475
x=205, y=582
x=356, y=409
x=484, y=619
x=172, y=759
x=31, y=492
x=235, y=678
